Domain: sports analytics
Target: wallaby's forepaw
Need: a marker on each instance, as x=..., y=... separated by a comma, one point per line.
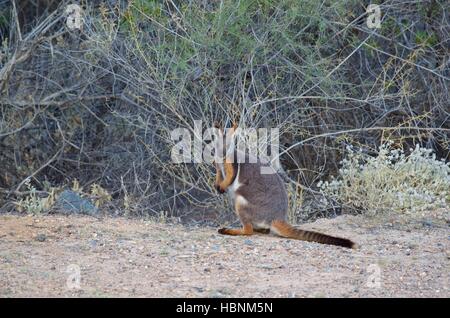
x=223, y=230
x=219, y=189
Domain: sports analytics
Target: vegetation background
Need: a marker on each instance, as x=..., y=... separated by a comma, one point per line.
x=92, y=108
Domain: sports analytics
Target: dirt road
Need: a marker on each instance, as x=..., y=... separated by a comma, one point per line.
x=60, y=256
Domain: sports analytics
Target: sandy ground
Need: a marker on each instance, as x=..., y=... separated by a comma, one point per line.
x=43, y=255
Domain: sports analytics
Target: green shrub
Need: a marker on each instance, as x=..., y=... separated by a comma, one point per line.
x=98, y=104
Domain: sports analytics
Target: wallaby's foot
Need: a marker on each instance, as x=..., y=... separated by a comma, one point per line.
x=246, y=230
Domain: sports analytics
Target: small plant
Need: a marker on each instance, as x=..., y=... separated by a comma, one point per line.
x=100, y=195
x=391, y=181
x=34, y=204
x=76, y=187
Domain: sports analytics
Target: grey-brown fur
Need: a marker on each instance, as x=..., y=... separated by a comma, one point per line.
x=265, y=193
x=259, y=195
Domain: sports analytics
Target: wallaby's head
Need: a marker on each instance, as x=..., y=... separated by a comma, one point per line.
x=224, y=139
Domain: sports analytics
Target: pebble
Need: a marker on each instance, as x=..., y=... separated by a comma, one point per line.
x=199, y=289
x=216, y=294
x=41, y=237
x=248, y=242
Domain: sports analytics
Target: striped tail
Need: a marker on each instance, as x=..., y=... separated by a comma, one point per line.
x=284, y=229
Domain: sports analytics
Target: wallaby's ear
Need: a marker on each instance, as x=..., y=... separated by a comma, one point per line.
x=218, y=131
x=218, y=125
x=233, y=128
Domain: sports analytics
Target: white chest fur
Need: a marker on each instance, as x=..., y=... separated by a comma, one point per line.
x=234, y=186
x=237, y=199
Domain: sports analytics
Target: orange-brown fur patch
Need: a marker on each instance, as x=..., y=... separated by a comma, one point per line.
x=230, y=174
x=219, y=177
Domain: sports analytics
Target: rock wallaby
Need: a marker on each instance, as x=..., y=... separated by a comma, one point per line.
x=260, y=199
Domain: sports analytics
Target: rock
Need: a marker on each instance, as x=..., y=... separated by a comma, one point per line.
x=248, y=242
x=268, y=266
x=216, y=294
x=199, y=289
x=71, y=202
x=41, y=237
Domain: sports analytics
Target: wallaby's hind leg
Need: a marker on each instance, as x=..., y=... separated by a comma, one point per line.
x=262, y=231
x=247, y=229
